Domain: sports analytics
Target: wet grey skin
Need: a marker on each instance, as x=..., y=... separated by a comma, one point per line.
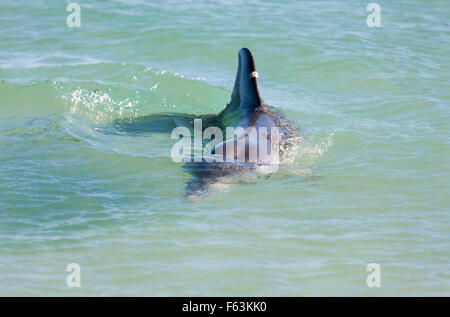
x=246, y=109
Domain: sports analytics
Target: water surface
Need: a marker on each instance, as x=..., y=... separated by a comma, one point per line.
x=371, y=183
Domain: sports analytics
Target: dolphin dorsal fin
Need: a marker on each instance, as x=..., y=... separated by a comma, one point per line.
x=246, y=94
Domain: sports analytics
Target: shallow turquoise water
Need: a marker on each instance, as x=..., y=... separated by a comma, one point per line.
x=371, y=183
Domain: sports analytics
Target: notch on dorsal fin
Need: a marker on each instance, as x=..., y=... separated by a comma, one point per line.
x=246, y=94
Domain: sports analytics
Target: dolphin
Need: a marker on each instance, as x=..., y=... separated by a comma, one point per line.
x=247, y=111
x=231, y=160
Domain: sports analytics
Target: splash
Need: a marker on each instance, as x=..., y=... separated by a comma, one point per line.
x=307, y=152
x=99, y=106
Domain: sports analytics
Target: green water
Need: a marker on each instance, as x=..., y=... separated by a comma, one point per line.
x=371, y=183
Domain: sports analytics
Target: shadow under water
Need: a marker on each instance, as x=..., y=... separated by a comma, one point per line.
x=161, y=123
